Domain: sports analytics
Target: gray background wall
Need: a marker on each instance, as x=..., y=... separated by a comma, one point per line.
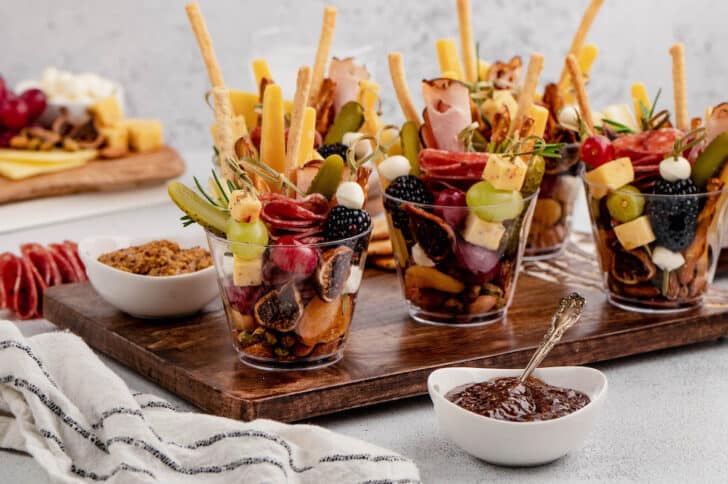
x=148, y=46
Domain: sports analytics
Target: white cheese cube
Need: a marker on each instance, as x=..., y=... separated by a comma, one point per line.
x=247, y=272
x=484, y=234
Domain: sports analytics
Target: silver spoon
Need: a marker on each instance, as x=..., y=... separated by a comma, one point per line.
x=566, y=316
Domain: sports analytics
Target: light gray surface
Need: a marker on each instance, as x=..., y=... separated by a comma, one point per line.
x=148, y=45
x=664, y=419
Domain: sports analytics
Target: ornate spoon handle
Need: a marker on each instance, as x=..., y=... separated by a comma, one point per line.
x=566, y=316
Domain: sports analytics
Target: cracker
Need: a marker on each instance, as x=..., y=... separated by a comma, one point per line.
x=380, y=247
x=205, y=42
x=322, y=53
x=223, y=120
x=577, y=81
x=399, y=82
x=528, y=92
x=295, y=131
x=384, y=263
x=467, y=44
x=380, y=229
x=679, y=88
x=580, y=36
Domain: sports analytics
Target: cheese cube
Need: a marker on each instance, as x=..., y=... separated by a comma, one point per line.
x=540, y=116
x=261, y=71
x=144, y=134
x=272, y=133
x=117, y=137
x=239, y=127
x=483, y=69
x=635, y=233
x=482, y=233
x=244, y=207
x=639, y=99
x=611, y=175
x=504, y=173
x=107, y=111
x=244, y=105
x=247, y=272
x=493, y=105
x=447, y=54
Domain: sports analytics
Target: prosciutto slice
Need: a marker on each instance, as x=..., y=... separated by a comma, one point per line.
x=447, y=112
x=347, y=75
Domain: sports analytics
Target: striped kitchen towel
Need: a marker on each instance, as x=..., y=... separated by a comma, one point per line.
x=59, y=403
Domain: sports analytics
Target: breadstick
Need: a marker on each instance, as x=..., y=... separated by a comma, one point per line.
x=399, y=81
x=677, y=52
x=578, y=82
x=526, y=96
x=580, y=37
x=205, y=42
x=467, y=44
x=223, y=120
x=295, y=131
x=322, y=53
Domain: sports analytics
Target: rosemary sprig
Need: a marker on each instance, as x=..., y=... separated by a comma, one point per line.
x=262, y=170
x=223, y=194
x=619, y=127
x=186, y=220
x=686, y=142
x=540, y=148
x=204, y=192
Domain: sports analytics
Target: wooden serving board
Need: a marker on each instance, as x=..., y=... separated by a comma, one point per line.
x=98, y=175
x=388, y=357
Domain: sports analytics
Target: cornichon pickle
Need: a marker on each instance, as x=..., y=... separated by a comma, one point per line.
x=328, y=177
x=410, y=140
x=710, y=160
x=199, y=210
x=349, y=120
x=534, y=175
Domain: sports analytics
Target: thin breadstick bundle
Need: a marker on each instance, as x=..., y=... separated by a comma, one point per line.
x=223, y=121
x=580, y=36
x=399, y=82
x=467, y=44
x=528, y=92
x=679, y=87
x=322, y=53
x=295, y=130
x=577, y=80
x=205, y=43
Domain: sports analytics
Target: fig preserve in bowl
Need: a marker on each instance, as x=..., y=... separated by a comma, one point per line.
x=458, y=264
x=295, y=313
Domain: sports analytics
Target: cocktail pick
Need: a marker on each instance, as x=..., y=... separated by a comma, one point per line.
x=566, y=316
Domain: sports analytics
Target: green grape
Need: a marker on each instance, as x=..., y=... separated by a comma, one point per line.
x=626, y=204
x=253, y=237
x=494, y=205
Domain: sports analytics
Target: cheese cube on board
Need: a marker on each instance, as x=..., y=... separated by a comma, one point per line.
x=635, y=233
x=504, y=173
x=482, y=233
x=144, y=134
x=117, y=137
x=247, y=272
x=107, y=111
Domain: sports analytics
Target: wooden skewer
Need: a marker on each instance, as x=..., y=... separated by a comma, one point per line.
x=295, y=131
x=223, y=120
x=577, y=81
x=467, y=44
x=205, y=42
x=580, y=37
x=528, y=92
x=322, y=53
x=679, y=87
x=399, y=82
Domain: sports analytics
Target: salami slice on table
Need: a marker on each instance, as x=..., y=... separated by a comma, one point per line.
x=27, y=300
x=69, y=252
x=68, y=274
x=9, y=275
x=45, y=268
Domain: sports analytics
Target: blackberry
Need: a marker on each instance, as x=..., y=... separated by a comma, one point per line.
x=408, y=188
x=674, y=219
x=333, y=149
x=343, y=223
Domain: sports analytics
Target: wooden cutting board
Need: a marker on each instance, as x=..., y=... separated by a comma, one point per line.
x=99, y=175
x=388, y=357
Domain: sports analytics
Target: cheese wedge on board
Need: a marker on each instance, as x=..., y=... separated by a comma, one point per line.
x=18, y=171
x=45, y=158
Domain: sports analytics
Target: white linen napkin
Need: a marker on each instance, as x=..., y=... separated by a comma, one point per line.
x=59, y=403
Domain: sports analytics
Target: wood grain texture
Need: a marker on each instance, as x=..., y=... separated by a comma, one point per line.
x=98, y=175
x=388, y=357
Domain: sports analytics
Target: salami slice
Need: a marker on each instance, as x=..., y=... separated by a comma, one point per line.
x=45, y=268
x=72, y=248
x=9, y=275
x=26, y=292
x=64, y=266
x=71, y=257
x=661, y=140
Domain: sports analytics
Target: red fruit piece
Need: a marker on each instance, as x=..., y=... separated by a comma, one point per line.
x=35, y=99
x=480, y=262
x=448, y=203
x=597, y=150
x=14, y=113
x=292, y=256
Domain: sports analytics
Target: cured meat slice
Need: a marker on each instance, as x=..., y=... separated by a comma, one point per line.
x=447, y=112
x=9, y=275
x=64, y=266
x=347, y=75
x=69, y=251
x=45, y=268
x=26, y=292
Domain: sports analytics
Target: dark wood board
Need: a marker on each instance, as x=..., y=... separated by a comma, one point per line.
x=722, y=269
x=388, y=357
x=96, y=176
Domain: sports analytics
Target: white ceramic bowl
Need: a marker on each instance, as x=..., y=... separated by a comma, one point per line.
x=148, y=297
x=517, y=443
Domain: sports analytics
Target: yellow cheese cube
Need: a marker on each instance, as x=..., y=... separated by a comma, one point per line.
x=117, y=137
x=239, y=127
x=586, y=57
x=635, y=233
x=244, y=105
x=483, y=69
x=247, y=272
x=368, y=94
x=611, y=175
x=482, y=233
x=272, y=135
x=144, y=134
x=107, y=111
x=504, y=173
x=261, y=71
x=500, y=98
x=447, y=54
x=540, y=116
x=244, y=207
x=639, y=98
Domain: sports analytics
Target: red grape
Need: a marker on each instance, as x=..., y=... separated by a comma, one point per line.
x=3, y=90
x=14, y=112
x=597, y=150
x=450, y=199
x=479, y=261
x=5, y=137
x=292, y=256
x=36, y=101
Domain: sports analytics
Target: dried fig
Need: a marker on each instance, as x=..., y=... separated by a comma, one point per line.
x=423, y=277
x=332, y=272
x=632, y=267
x=279, y=309
x=324, y=321
x=435, y=236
